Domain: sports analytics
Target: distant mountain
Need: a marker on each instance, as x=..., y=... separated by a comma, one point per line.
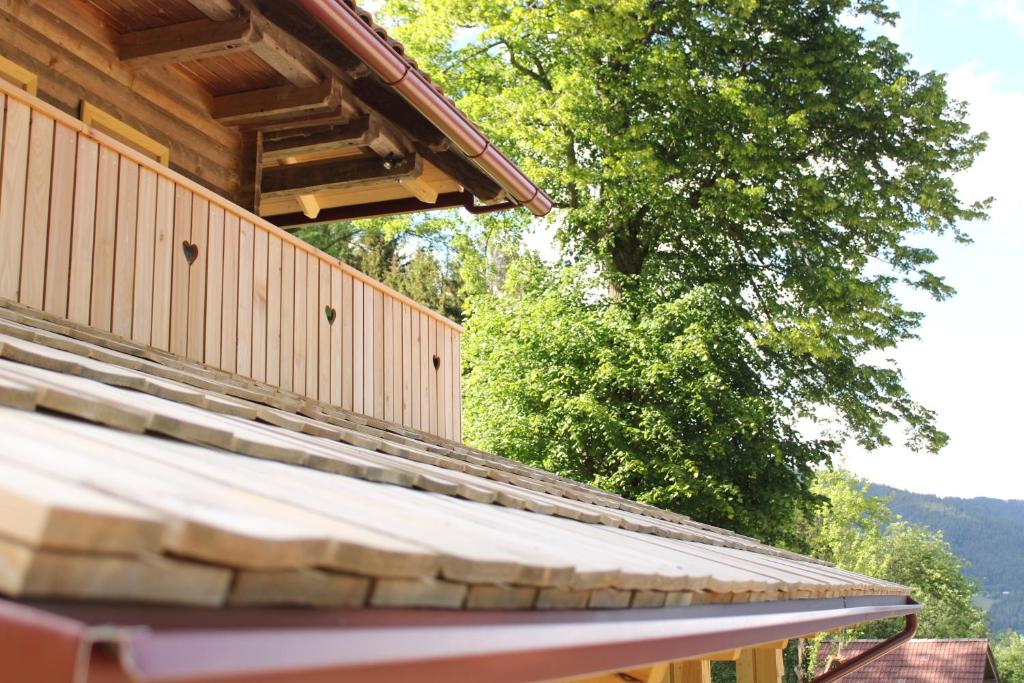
x=987, y=532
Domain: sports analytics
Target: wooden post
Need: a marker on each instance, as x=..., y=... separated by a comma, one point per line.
x=692, y=671
x=761, y=664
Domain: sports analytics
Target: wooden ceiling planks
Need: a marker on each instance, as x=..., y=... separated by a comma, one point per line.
x=296, y=509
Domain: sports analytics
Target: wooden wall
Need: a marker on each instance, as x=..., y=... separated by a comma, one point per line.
x=72, y=52
x=98, y=233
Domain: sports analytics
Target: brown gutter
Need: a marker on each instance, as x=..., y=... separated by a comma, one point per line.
x=871, y=654
x=342, y=21
x=175, y=645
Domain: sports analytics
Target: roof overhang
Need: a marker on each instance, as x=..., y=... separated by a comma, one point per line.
x=397, y=72
x=88, y=644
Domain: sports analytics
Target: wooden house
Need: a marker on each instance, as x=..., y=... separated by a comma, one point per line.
x=226, y=456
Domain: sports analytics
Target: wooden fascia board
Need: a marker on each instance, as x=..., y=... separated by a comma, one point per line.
x=304, y=179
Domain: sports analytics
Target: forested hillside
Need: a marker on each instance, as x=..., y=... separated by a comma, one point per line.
x=987, y=532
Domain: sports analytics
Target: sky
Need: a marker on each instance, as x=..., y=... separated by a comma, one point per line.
x=968, y=363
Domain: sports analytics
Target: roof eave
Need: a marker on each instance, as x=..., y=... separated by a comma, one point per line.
x=345, y=24
x=155, y=645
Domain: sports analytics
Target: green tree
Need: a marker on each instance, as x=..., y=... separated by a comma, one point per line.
x=1008, y=649
x=416, y=257
x=764, y=159
x=670, y=409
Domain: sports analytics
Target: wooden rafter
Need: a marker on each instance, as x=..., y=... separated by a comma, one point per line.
x=468, y=176
x=306, y=179
x=201, y=38
x=186, y=42
x=218, y=10
x=274, y=105
x=293, y=143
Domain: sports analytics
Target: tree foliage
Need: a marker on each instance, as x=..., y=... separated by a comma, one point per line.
x=670, y=409
x=414, y=257
x=859, y=532
x=1008, y=649
x=770, y=152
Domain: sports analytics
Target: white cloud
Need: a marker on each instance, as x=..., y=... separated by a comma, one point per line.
x=1005, y=10
x=998, y=112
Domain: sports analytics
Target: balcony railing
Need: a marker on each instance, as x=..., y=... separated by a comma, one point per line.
x=99, y=233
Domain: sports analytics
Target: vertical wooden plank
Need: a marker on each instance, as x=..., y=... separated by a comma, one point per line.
x=62, y=202
x=179, y=270
x=163, y=260
x=145, y=238
x=457, y=384
x=82, y=223
x=389, y=361
x=312, y=304
x=243, y=358
x=124, y=249
x=447, y=363
x=229, y=306
x=287, y=315
x=429, y=378
x=104, y=239
x=274, y=311
x=346, y=341
x=214, y=287
x=432, y=375
x=357, y=345
x=337, y=360
x=324, y=333
x=378, y=353
x=13, y=175
x=259, y=305
x=299, y=308
x=368, y=349
x=406, y=365
x=416, y=369
x=196, y=335
x=37, y=211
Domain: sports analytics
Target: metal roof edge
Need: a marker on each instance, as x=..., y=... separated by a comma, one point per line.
x=160, y=645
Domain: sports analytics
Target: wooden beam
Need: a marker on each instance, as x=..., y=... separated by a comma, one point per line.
x=280, y=145
x=692, y=671
x=300, y=179
x=462, y=172
x=285, y=54
x=274, y=105
x=421, y=189
x=19, y=75
x=186, y=42
x=310, y=206
x=760, y=665
x=218, y=10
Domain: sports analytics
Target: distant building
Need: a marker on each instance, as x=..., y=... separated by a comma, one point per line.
x=925, y=661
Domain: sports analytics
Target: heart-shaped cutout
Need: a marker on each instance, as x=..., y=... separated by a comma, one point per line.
x=437, y=362
x=191, y=251
x=330, y=314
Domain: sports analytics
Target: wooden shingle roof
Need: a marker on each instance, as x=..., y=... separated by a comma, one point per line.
x=131, y=474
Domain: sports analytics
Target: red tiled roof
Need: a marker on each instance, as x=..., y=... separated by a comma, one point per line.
x=921, y=661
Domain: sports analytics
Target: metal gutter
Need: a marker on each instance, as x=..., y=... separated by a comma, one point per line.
x=871, y=654
x=342, y=21
x=174, y=645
